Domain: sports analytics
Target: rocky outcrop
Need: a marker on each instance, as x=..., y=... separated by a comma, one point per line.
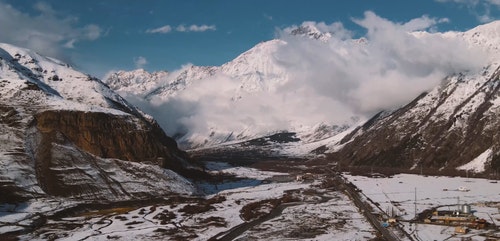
x=70, y=143
x=113, y=136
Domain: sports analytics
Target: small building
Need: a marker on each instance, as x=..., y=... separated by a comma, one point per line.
x=461, y=230
x=306, y=177
x=392, y=221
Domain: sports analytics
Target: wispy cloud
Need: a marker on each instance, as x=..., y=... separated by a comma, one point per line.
x=140, y=62
x=196, y=28
x=473, y=2
x=47, y=32
x=183, y=28
x=162, y=29
x=479, y=8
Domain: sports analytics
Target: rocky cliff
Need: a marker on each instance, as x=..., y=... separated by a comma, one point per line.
x=112, y=136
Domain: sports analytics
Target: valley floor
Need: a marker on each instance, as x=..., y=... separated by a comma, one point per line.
x=259, y=205
x=254, y=204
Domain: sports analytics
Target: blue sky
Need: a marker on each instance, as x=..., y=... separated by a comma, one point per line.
x=99, y=36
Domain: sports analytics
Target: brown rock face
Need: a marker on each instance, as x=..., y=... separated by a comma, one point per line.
x=123, y=137
x=89, y=154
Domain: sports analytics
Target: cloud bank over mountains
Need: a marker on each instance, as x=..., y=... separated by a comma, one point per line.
x=387, y=67
x=334, y=82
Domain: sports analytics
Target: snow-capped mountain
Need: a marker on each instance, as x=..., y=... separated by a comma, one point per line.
x=255, y=70
x=272, y=70
x=310, y=30
x=65, y=133
x=257, y=73
x=137, y=81
x=453, y=126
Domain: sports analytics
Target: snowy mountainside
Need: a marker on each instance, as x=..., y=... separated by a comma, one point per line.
x=67, y=134
x=255, y=70
x=56, y=78
x=179, y=81
x=486, y=36
x=452, y=127
x=135, y=82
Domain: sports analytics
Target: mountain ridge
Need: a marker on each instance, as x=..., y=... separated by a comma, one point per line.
x=258, y=72
x=446, y=128
x=65, y=133
x=250, y=74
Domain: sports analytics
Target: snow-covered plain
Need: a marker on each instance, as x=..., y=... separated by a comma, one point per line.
x=398, y=193
x=324, y=215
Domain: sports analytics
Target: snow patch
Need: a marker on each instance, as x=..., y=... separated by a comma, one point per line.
x=479, y=163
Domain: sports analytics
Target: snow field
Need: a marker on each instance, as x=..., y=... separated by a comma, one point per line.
x=398, y=192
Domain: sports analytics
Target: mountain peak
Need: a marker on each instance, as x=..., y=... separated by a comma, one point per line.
x=486, y=36
x=309, y=29
x=136, y=81
x=493, y=26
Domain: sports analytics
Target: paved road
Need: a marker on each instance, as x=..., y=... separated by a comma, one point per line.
x=366, y=210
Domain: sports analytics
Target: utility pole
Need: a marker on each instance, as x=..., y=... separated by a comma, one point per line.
x=415, y=203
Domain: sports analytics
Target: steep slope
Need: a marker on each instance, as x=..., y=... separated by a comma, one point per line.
x=454, y=126
x=65, y=133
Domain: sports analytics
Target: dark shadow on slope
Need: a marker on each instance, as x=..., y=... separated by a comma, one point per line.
x=210, y=188
x=281, y=138
x=32, y=76
x=218, y=181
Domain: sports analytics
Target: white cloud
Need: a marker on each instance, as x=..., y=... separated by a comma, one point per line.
x=389, y=69
x=140, y=62
x=47, y=32
x=183, y=28
x=91, y=32
x=201, y=28
x=163, y=29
